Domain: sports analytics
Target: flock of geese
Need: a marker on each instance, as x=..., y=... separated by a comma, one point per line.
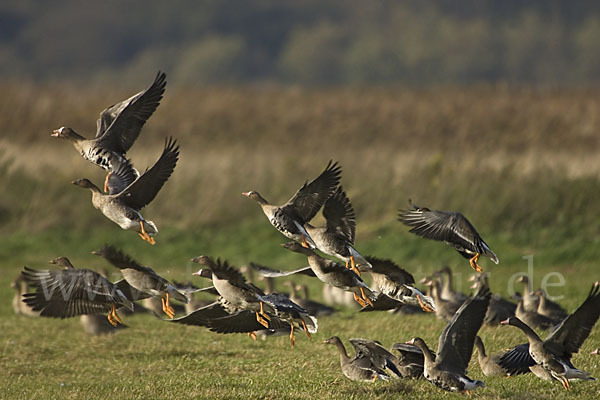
x=242, y=307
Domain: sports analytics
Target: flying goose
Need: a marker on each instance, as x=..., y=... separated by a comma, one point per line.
x=336, y=239
x=289, y=219
x=70, y=292
x=117, y=128
x=143, y=278
x=451, y=227
x=124, y=205
x=334, y=274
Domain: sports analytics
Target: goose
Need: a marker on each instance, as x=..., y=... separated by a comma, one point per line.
x=289, y=219
x=489, y=365
x=550, y=309
x=398, y=284
x=532, y=318
x=448, y=292
x=143, y=278
x=447, y=369
x=117, y=128
x=554, y=353
x=451, y=227
x=288, y=311
x=368, y=363
x=70, y=292
x=232, y=286
x=530, y=300
x=337, y=238
x=411, y=361
x=124, y=205
x=334, y=274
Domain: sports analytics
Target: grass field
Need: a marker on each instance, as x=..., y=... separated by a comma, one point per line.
x=521, y=164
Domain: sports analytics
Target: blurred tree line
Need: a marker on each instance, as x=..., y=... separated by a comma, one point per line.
x=316, y=42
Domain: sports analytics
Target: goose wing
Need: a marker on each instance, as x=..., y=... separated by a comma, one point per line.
x=339, y=213
x=144, y=189
x=120, y=124
x=307, y=201
x=455, y=346
x=575, y=329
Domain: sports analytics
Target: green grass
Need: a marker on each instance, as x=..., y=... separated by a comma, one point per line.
x=47, y=358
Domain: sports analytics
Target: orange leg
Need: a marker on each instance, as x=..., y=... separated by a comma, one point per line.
x=292, y=339
x=106, y=182
x=262, y=321
x=364, y=296
x=359, y=300
x=167, y=308
x=473, y=263
x=374, y=378
x=305, y=329
x=252, y=335
x=144, y=235
x=353, y=266
x=112, y=316
x=424, y=306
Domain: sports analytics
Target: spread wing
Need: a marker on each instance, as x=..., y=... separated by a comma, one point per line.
x=455, y=346
x=451, y=227
x=575, y=329
x=516, y=361
x=67, y=293
x=307, y=201
x=120, y=124
x=339, y=213
x=146, y=187
x=122, y=175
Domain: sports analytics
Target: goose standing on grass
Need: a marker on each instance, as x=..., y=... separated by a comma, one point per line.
x=334, y=274
x=447, y=369
x=490, y=365
x=129, y=197
x=554, y=354
x=117, y=128
x=411, y=360
x=143, y=278
x=530, y=300
x=289, y=219
x=368, y=363
x=70, y=292
x=337, y=238
x=453, y=228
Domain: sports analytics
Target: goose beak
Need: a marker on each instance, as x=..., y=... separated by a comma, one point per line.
x=55, y=133
x=505, y=322
x=597, y=351
x=411, y=341
x=247, y=194
x=197, y=273
x=473, y=286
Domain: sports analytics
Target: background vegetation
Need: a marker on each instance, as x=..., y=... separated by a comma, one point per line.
x=309, y=41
